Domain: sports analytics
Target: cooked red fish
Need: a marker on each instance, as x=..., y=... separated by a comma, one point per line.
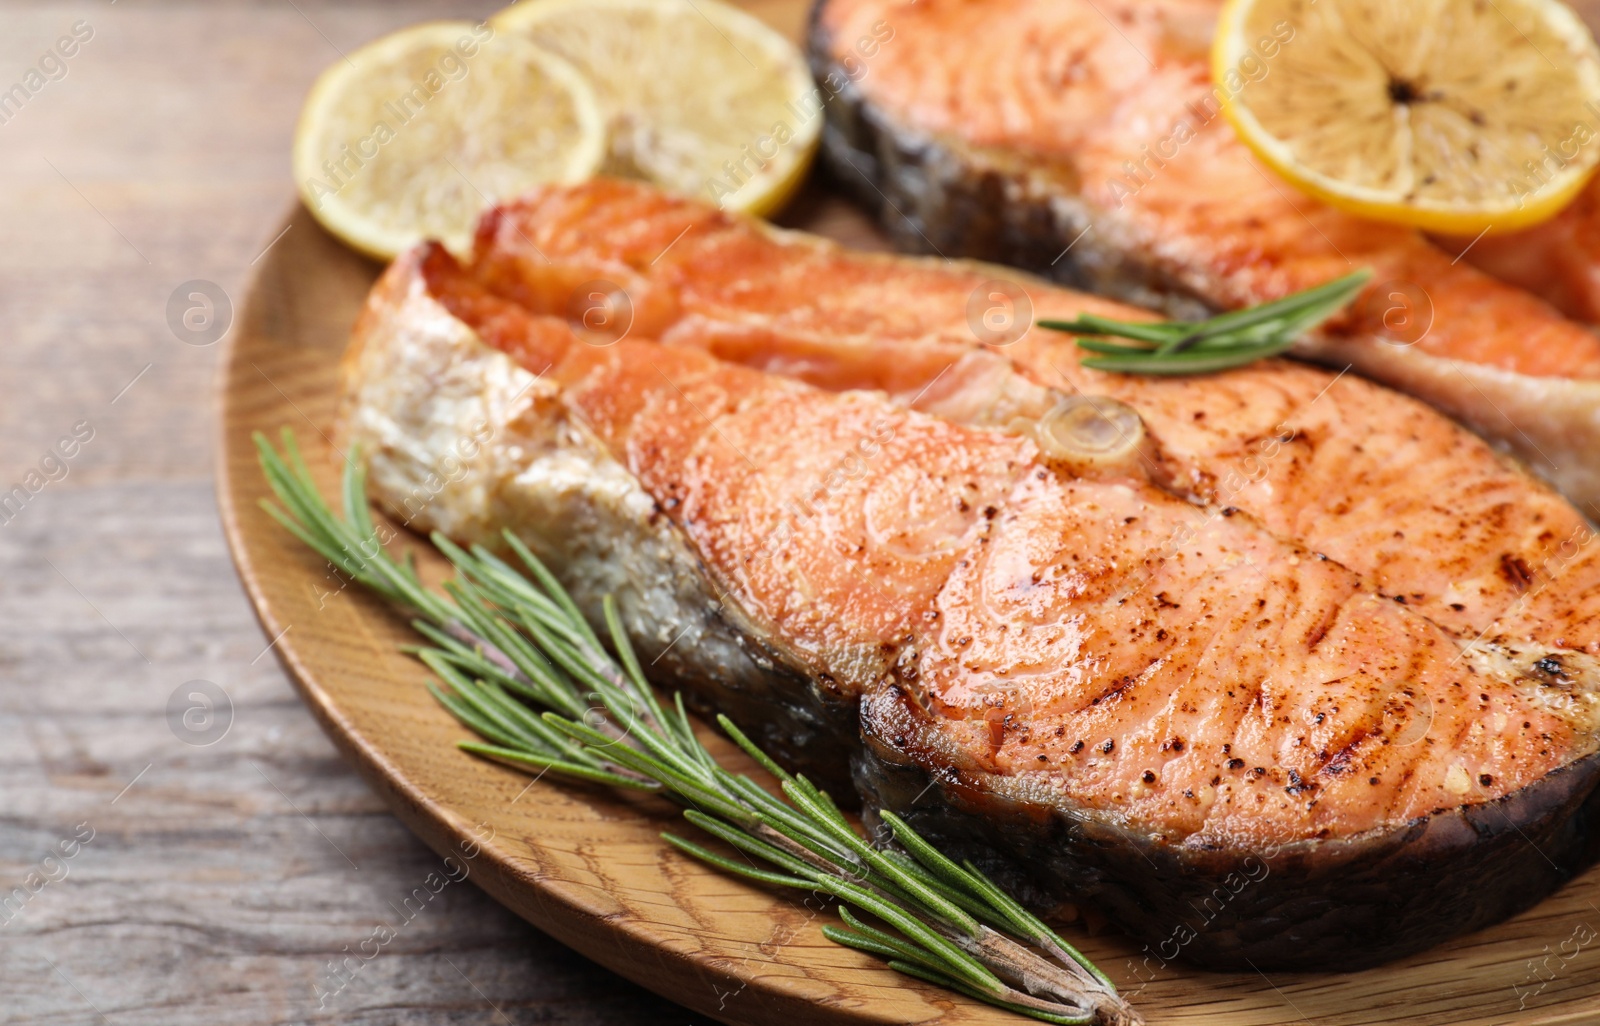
x=1558, y=260
x=1382, y=484
x=1101, y=675
x=1082, y=140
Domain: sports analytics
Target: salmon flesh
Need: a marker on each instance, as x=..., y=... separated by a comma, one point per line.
x=1083, y=140
x=1274, y=656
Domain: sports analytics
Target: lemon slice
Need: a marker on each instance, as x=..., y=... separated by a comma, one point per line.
x=1451, y=116
x=412, y=136
x=699, y=98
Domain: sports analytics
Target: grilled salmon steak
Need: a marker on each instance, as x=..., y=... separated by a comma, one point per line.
x=1083, y=139
x=1274, y=656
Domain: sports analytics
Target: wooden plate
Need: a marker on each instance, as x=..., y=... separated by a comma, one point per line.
x=588, y=867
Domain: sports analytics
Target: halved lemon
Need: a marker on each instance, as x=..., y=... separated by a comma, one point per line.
x=699, y=98
x=1453, y=116
x=412, y=136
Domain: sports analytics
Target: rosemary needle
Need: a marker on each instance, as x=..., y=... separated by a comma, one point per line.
x=525, y=671
x=1228, y=340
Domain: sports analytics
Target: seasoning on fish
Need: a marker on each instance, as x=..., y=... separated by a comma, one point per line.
x=1123, y=680
x=1084, y=140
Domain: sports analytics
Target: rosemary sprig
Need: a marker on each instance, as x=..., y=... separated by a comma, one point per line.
x=1201, y=347
x=510, y=641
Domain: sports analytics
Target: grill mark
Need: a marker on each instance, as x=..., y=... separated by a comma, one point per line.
x=1122, y=684
x=1339, y=763
x=1320, y=630
x=1516, y=572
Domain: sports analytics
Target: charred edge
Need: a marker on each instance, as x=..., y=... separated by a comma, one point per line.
x=1313, y=905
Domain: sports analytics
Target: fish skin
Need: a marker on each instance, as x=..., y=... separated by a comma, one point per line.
x=1328, y=905
x=1043, y=166
x=655, y=470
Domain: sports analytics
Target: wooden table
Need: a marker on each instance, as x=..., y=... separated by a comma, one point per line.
x=220, y=879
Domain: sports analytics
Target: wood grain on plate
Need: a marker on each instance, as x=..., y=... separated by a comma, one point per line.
x=588, y=866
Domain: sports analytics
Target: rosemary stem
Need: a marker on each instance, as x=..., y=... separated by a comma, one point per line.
x=508, y=643
x=1222, y=342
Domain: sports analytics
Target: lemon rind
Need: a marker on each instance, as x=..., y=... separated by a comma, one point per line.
x=1381, y=205
x=770, y=189
x=357, y=227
